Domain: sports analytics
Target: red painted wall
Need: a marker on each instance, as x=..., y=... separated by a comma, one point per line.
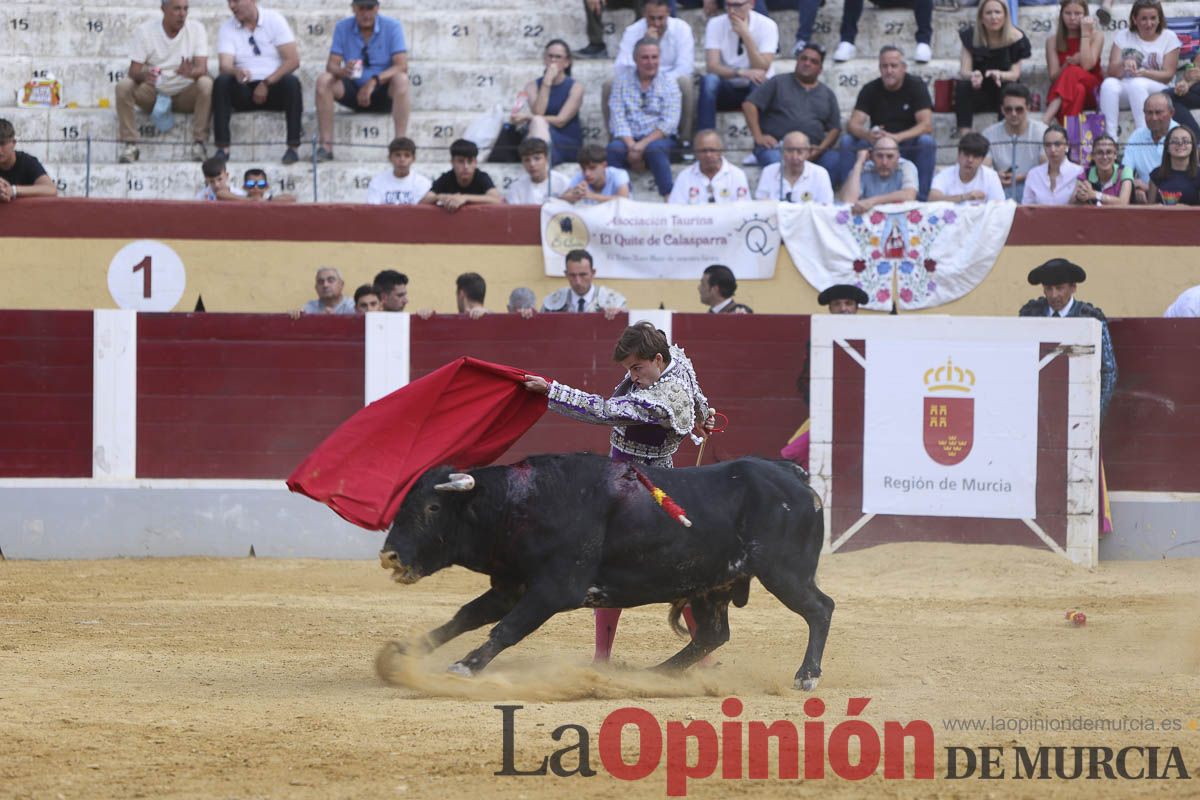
x=45, y=394
x=241, y=395
x=247, y=396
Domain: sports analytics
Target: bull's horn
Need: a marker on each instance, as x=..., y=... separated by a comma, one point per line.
x=459, y=482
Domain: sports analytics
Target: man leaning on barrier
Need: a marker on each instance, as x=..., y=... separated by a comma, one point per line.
x=21, y=175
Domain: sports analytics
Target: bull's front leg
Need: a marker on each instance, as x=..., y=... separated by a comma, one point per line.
x=529, y=614
x=489, y=607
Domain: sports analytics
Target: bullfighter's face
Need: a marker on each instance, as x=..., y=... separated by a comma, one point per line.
x=644, y=372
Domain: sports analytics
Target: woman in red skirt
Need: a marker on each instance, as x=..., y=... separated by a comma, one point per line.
x=1073, y=59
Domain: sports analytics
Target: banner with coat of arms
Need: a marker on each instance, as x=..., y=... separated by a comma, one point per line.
x=950, y=428
x=918, y=255
x=628, y=239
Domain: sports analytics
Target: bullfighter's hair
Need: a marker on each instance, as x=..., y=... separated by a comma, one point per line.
x=643, y=340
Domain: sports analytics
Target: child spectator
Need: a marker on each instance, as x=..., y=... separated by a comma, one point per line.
x=399, y=186
x=538, y=184
x=21, y=175
x=366, y=299
x=216, y=182
x=464, y=183
x=968, y=181
x=257, y=187
x=596, y=182
x=1107, y=182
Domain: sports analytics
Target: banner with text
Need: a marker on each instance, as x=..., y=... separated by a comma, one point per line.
x=950, y=428
x=628, y=239
x=918, y=255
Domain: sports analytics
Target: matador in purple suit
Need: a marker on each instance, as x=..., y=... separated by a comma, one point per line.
x=656, y=406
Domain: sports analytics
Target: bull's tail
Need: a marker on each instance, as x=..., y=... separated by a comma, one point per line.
x=673, y=618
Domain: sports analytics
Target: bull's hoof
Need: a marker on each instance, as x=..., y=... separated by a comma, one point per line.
x=459, y=668
x=806, y=684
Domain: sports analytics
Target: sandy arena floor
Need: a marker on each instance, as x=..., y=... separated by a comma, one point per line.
x=255, y=678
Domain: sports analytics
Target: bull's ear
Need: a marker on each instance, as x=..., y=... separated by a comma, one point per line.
x=459, y=482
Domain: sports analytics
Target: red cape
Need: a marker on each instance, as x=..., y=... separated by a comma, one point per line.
x=466, y=413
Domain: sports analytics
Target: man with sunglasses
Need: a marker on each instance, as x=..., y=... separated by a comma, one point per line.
x=258, y=58
x=1016, y=141
x=711, y=179
x=794, y=179
x=257, y=187
x=367, y=71
x=739, y=48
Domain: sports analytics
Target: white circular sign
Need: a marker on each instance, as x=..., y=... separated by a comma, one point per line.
x=146, y=276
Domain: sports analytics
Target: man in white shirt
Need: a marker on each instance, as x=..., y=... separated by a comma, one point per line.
x=677, y=49
x=258, y=56
x=795, y=179
x=168, y=58
x=538, y=184
x=968, y=181
x=711, y=179
x=739, y=48
x=399, y=186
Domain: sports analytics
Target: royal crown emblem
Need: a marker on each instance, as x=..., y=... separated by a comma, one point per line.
x=949, y=418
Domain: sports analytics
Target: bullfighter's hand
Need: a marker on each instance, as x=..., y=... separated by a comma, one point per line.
x=535, y=384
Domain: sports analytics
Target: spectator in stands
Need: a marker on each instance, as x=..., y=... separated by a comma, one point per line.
x=739, y=47
x=522, y=302
x=644, y=117
x=1073, y=56
x=168, y=65
x=258, y=58
x=795, y=179
x=1144, y=149
x=677, y=48
x=470, y=290
x=581, y=295
x=797, y=102
x=1186, y=98
x=367, y=70
x=968, y=181
x=711, y=179
x=550, y=105
x=1107, y=183
x=852, y=11
x=329, y=294
x=539, y=183
x=842, y=298
x=1175, y=182
x=717, y=287
x=1058, y=278
x=392, y=288
x=366, y=299
x=596, y=182
x=464, y=183
x=216, y=182
x=883, y=178
x=1186, y=305
x=21, y=175
x=595, y=25
x=992, y=52
x=1141, y=63
x=400, y=185
x=257, y=187
x=897, y=105
x=1016, y=141
x=1052, y=183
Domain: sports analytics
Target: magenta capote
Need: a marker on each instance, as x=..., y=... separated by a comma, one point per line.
x=740, y=743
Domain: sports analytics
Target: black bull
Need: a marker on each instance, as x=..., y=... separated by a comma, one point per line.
x=560, y=532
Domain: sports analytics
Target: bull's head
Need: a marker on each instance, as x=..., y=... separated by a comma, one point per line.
x=429, y=528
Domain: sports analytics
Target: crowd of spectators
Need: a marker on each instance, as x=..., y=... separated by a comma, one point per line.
x=654, y=100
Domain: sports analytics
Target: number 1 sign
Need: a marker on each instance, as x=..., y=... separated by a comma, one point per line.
x=146, y=276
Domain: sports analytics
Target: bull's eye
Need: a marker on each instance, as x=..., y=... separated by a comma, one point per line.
x=433, y=508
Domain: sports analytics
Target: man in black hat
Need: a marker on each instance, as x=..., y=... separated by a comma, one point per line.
x=842, y=298
x=1058, y=278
